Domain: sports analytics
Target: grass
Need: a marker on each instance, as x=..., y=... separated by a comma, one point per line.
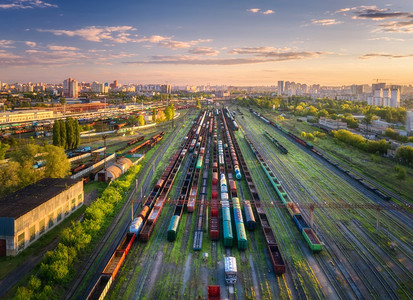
x=379, y=169
x=94, y=186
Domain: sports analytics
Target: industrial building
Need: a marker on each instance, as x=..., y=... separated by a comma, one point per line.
x=30, y=212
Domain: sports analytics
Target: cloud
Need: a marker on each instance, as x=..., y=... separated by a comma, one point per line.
x=268, y=12
x=256, y=55
x=258, y=10
x=6, y=44
x=387, y=39
x=257, y=50
x=374, y=13
x=26, y=4
x=62, y=48
x=385, y=55
x=397, y=21
x=397, y=26
x=30, y=44
x=168, y=42
x=326, y=22
x=117, y=34
x=203, y=51
x=254, y=10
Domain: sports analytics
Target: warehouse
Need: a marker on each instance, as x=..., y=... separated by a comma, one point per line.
x=32, y=211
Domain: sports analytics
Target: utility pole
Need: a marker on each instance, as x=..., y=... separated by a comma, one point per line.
x=311, y=215
x=378, y=220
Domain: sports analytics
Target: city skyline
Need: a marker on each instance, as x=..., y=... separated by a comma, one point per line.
x=233, y=43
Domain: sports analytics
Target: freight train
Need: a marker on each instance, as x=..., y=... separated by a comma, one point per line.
x=232, y=166
x=309, y=235
x=106, y=278
x=325, y=157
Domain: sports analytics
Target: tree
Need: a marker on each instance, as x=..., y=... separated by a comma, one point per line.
x=198, y=104
x=401, y=173
x=62, y=100
x=57, y=164
x=141, y=120
x=63, y=137
x=77, y=134
x=70, y=133
x=154, y=115
x=161, y=116
x=25, y=154
x=132, y=120
x=9, y=178
x=56, y=133
x=3, y=149
x=303, y=134
x=405, y=154
x=169, y=112
x=368, y=118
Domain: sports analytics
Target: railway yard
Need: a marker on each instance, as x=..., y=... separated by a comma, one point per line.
x=228, y=182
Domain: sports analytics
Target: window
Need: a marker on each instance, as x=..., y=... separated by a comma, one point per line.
x=32, y=233
x=73, y=204
x=59, y=214
x=79, y=199
x=51, y=221
x=67, y=209
x=41, y=226
x=20, y=241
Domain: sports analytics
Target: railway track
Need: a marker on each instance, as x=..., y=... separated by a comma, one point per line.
x=298, y=290
x=294, y=198
x=369, y=262
x=97, y=262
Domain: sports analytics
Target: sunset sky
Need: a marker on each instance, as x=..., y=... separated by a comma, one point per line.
x=234, y=42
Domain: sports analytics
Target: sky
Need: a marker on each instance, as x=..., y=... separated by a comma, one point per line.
x=232, y=42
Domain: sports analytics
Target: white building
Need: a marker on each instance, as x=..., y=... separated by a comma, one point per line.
x=332, y=124
x=98, y=87
x=384, y=96
x=280, y=87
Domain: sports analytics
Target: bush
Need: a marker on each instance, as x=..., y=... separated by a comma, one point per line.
x=56, y=265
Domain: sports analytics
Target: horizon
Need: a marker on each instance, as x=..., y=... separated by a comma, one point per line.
x=237, y=42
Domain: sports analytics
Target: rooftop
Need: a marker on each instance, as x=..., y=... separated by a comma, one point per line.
x=26, y=199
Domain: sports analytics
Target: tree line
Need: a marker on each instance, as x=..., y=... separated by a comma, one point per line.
x=20, y=171
x=58, y=266
x=66, y=133
x=360, y=142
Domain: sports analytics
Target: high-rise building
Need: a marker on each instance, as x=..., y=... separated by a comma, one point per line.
x=166, y=88
x=280, y=87
x=395, y=98
x=70, y=88
x=357, y=90
x=114, y=85
x=409, y=121
x=378, y=86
